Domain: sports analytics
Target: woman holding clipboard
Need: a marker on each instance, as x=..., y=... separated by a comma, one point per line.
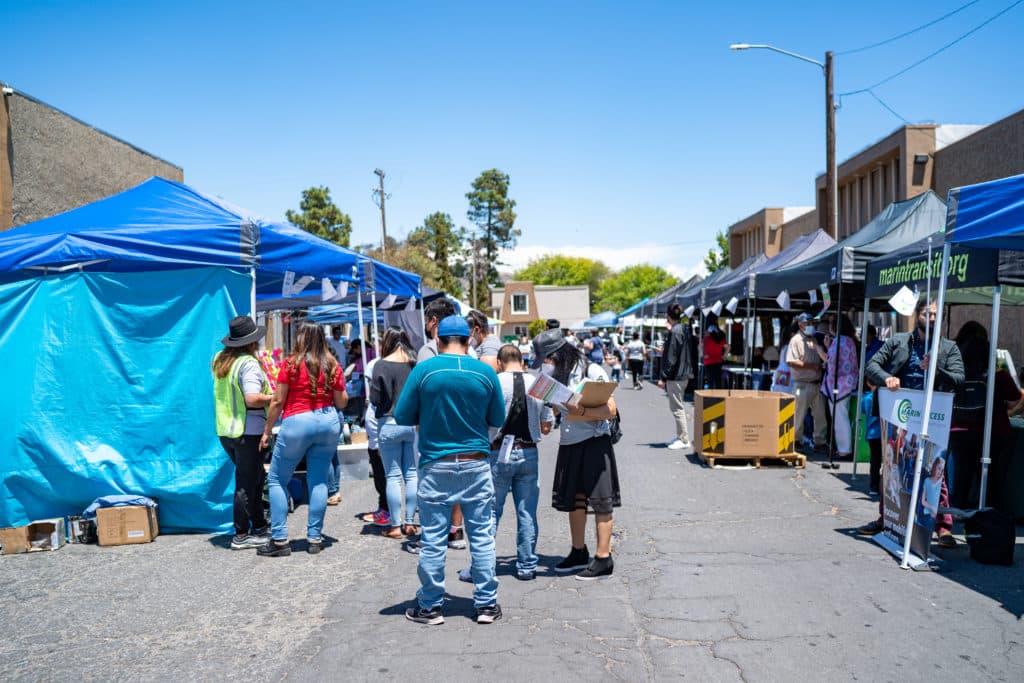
x=585, y=472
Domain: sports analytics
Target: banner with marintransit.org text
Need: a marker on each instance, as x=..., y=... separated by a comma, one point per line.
x=901, y=414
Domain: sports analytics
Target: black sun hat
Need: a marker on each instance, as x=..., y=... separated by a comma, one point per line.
x=242, y=331
x=546, y=343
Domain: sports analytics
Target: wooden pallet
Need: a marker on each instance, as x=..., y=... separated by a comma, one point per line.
x=788, y=459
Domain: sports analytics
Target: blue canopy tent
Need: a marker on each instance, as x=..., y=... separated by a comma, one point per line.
x=983, y=216
x=113, y=312
x=603, y=319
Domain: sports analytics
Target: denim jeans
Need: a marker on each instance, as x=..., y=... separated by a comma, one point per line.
x=312, y=434
x=519, y=475
x=334, y=475
x=398, y=454
x=442, y=484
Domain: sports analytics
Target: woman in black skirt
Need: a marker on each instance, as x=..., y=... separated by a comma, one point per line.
x=585, y=473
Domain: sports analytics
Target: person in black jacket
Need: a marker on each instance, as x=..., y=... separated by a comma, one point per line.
x=676, y=372
x=902, y=363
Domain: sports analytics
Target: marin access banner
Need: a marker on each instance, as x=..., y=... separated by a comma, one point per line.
x=901, y=415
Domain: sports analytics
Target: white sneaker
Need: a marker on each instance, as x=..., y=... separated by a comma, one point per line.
x=678, y=444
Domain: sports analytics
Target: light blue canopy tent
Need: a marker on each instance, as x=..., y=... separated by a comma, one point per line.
x=113, y=312
x=634, y=308
x=603, y=319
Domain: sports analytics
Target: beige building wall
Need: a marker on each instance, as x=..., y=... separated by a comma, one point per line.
x=803, y=224
x=993, y=152
x=569, y=305
x=761, y=232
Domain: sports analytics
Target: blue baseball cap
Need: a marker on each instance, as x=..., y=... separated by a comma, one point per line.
x=453, y=326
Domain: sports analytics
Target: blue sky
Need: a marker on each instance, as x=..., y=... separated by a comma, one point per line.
x=630, y=131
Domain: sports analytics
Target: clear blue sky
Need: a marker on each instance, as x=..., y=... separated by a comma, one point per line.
x=624, y=126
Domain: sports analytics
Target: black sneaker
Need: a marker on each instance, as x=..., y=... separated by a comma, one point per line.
x=274, y=549
x=526, y=576
x=457, y=539
x=600, y=568
x=578, y=558
x=430, y=617
x=313, y=547
x=871, y=528
x=489, y=614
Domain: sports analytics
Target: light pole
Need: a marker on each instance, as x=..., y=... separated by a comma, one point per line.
x=831, y=193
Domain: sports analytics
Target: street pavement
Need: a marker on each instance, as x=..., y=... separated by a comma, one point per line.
x=720, y=575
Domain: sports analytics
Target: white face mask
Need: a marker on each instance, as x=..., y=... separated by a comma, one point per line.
x=809, y=330
x=472, y=342
x=547, y=369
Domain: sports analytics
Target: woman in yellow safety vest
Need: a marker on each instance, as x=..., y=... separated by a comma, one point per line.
x=241, y=394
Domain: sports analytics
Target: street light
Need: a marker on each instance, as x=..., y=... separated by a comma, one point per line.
x=831, y=203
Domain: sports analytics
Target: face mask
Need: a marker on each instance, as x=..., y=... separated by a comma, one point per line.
x=809, y=330
x=547, y=369
x=472, y=342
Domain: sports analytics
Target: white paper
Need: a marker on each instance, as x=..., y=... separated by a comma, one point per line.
x=717, y=308
x=301, y=284
x=733, y=303
x=689, y=311
x=783, y=300
x=327, y=290
x=904, y=301
x=550, y=390
x=505, y=453
x=389, y=301
x=286, y=286
x=813, y=295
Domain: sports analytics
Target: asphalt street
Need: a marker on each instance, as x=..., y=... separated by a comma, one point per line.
x=720, y=575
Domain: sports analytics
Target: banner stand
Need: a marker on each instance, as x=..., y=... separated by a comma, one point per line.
x=913, y=561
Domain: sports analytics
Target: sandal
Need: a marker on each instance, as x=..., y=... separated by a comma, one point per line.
x=394, y=532
x=946, y=540
x=334, y=500
x=410, y=530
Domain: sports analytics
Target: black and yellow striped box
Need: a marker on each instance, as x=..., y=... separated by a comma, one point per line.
x=743, y=423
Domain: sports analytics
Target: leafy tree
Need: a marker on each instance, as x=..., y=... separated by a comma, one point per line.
x=321, y=217
x=536, y=327
x=442, y=242
x=718, y=259
x=625, y=288
x=560, y=270
x=492, y=211
x=410, y=257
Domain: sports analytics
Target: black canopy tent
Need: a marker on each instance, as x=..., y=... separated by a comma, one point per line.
x=659, y=304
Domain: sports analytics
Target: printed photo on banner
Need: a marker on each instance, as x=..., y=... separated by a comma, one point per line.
x=901, y=414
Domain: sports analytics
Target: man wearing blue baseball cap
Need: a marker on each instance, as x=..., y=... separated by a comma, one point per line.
x=454, y=400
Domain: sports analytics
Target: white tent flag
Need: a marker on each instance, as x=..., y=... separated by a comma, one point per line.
x=733, y=303
x=342, y=289
x=783, y=300
x=717, y=308
x=302, y=283
x=812, y=294
x=410, y=305
x=389, y=301
x=286, y=286
x=327, y=290
x=904, y=301
x=689, y=311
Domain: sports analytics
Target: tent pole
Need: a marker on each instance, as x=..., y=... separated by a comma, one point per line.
x=423, y=316
x=362, y=335
x=252, y=294
x=700, y=350
x=835, y=380
x=748, y=327
x=376, y=337
x=929, y=395
x=990, y=388
x=860, y=381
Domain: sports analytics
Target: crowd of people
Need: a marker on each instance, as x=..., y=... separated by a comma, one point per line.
x=452, y=429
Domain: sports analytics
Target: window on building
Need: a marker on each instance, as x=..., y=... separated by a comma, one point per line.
x=521, y=331
x=520, y=304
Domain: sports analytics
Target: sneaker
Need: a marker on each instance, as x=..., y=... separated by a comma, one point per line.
x=334, y=499
x=274, y=549
x=314, y=547
x=871, y=528
x=578, y=558
x=489, y=614
x=526, y=576
x=946, y=539
x=457, y=539
x=430, y=617
x=247, y=541
x=466, y=575
x=601, y=568
x=678, y=445
x=382, y=518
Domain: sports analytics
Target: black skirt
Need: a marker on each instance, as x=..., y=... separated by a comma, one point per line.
x=586, y=475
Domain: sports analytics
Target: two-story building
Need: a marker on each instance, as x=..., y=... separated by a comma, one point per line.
x=518, y=304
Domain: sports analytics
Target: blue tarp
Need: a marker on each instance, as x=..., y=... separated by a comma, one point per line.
x=605, y=319
x=109, y=391
x=988, y=215
x=635, y=308
x=160, y=225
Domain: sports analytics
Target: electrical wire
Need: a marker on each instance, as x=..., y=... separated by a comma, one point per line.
x=933, y=54
x=910, y=32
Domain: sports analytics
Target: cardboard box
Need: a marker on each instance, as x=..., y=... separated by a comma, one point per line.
x=743, y=423
x=360, y=437
x=45, y=534
x=126, y=524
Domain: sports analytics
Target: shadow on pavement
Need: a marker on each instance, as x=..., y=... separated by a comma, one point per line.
x=454, y=606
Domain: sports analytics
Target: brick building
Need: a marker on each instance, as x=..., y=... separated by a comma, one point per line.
x=51, y=162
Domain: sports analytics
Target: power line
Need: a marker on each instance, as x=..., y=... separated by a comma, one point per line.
x=910, y=32
x=935, y=53
x=888, y=108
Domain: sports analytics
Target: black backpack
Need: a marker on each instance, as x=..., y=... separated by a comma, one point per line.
x=969, y=403
x=615, y=423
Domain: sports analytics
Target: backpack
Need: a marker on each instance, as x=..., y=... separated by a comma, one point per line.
x=969, y=403
x=615, y=428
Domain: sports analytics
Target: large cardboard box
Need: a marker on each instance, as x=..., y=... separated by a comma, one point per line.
x=127, y=524
x=45, y=534
x=743, y=423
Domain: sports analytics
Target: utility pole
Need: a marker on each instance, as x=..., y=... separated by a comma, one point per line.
x=379, y=193
x=474, y=275
x=831, y=179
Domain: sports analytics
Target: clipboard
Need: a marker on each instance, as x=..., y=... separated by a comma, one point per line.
x=592, y=394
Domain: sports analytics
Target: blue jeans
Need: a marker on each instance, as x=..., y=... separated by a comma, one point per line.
x=520, y=477
x=442, y=484
x=313, y=434
x=398, y=453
